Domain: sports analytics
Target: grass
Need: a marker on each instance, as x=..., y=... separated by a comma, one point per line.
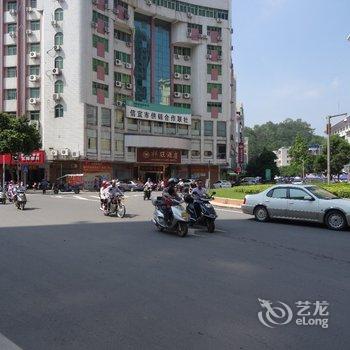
x=238, y=192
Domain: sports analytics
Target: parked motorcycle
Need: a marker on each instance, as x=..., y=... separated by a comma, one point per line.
x=115, y=206
x=205, y=215
x=20, y=199
x=178, y=221
x=147, y=193
x=2, y=196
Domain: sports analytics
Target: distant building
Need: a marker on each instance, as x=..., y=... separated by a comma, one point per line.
x=283, y=158
x=342, y=129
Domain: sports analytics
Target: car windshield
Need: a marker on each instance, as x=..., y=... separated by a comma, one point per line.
x=321, y=193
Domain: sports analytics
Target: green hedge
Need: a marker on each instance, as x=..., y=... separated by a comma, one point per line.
x=339, y=189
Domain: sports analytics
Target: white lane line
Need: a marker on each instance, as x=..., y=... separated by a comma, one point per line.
x=230, y=210
x=96, y=197
x=6, y=344
x=81, y=198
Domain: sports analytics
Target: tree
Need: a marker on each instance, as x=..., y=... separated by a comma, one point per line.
x=258, y=165
x=290, y=170
x=17, y=136
x=299, y=153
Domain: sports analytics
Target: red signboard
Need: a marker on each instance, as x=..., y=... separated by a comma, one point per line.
x=241, y=153
x=165, y=156
x=35, y=158
x=97, y=167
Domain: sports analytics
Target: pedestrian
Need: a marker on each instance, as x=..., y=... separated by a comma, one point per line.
x=44, y=185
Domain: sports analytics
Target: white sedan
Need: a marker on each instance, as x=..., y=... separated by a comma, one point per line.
x=299, y=202
x=222, y=184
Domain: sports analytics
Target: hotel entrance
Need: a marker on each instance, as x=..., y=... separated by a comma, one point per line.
x=154, y=172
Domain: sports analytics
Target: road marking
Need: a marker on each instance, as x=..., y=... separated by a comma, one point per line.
x=80, y=197
x=6, y=344
x=230, y=210
x=96, y=197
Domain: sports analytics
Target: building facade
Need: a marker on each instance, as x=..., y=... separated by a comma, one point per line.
x=283, y=158
x=125, y=89
x=342, y=129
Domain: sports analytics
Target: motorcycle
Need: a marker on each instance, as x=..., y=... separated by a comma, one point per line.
x=206, y=215
x=178, y=221
x=10, y=196
x=147, y=193
x=2, y=196
x=115, y=206
x=20, y=199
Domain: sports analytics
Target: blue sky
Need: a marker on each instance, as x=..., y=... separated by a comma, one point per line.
x=292, y=59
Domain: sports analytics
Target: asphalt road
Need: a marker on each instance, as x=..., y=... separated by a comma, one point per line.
x=71, y=278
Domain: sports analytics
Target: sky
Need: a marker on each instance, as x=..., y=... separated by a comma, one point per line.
x=292, y=59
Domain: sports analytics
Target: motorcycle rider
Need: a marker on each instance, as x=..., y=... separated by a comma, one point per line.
x=103, y=193
x=148, y=183
x=113, y=191
x=169, y=196
x=198, y=193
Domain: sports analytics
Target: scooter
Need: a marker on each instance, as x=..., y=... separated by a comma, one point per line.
x=179, y=217
x=147, y=193
x=20, y=199
x=2, y=196
x=115, y=206
x=206, y=215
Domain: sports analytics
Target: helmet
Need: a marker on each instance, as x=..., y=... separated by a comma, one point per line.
x=114, y=183
x=104, y=183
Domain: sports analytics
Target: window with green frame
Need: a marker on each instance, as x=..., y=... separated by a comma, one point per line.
x=34, y=70
x=195, y=26
x=184, y=51
x=121, y=97
x=182, y=69
x=124, y=78
x=11, y=72
x=214, y=66
x=211, y=48
x=11, y=50
x=213, y=29
x=96, y=63
x=120, y=35
x=99, y=86
x=97, y=39
x=96, y=16
x=124, y=57
x=182, y=105
x=210, y=105
x=185, y=89
x=211, y=86
x=34, y=47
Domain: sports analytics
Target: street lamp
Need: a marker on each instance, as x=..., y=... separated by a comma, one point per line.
x=329, y=128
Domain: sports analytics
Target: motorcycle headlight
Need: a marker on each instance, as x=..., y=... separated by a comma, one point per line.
x=208, y=205
x=184, y=215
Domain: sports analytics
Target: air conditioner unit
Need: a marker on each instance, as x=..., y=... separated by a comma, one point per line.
x=189, y=14
x=106, y=30
x=29, y=9
x=176, y=56
x=118, y=62
x=54, y=23
x=93, y=24
x=33, y=77
x=177, y=75
x=56, y=96
x=219, y=38
x=204, y=37
x=187, y=77
x=13, y=34
x=34, y=123
x=54, y=153
x=128, y=43
x=186, y=58
x=57, y=47
x=209, y=56
x=118, y=84
x=149, y=2
x=13, y=12
x=75, y=154
x=33, y=101
x=219, y=58
x=29, y=32
x=128, y=65
x=187, y=96
x=177, y=94
x=65, y=152
x=218, y=20
x=33, y=54
x=129, y=86
x=119, y=103
x=56, y=71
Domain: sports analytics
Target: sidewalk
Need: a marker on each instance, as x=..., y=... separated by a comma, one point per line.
x=227, y=203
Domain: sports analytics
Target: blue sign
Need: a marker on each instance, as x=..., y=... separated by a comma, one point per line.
x=25, y=169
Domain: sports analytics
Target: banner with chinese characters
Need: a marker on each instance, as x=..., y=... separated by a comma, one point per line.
x=158, y=113
x=35, y=158
x=158, y=155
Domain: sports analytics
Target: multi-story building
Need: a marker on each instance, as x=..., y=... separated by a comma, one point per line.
x=122, y=89
x=283, y=158
x=342, y=129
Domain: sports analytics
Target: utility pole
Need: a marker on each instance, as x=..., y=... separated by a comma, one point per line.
x=329, y=129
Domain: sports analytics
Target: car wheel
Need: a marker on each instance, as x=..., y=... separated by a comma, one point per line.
x=261, y=214
x=335, y=220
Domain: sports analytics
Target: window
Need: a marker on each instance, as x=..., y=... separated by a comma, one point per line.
x=145, y=126
x=35, y=25
x=221, y=152
x=210, y=67
x=91, y=115
x=196, y=127
x=132, y=124
x=98, y=39
x=158, y=127
x=99, y=86
x=34, y=47
x=124, y=78
x=211, y=105
x=195, y=26
x=34, y=92
x=96, y=63
x=182, y=129
x=58, y=14
x=122, y=56
x=105, y=117
x=59, y=38
x=297, y=194
x=208, y=128
x=59, y=87
x=119, y=143
x=120, y=35
x=170, y=128
x=10, y=94
x=211, y=48
x=182, y=105
x=92, y=140
x=34, y=115
x=221, y=129
x=119, y=119
x=11, y=72
x=105, y=142
x=185, y=89
x=11, y=27
x=59, y=62
x=58, y=111
x=182, y=69
x=11, y=50
x=183, y=51
x=12, y=5
x=34, y=70
x=278, y=193
x=211, y=86
x=33, y=4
